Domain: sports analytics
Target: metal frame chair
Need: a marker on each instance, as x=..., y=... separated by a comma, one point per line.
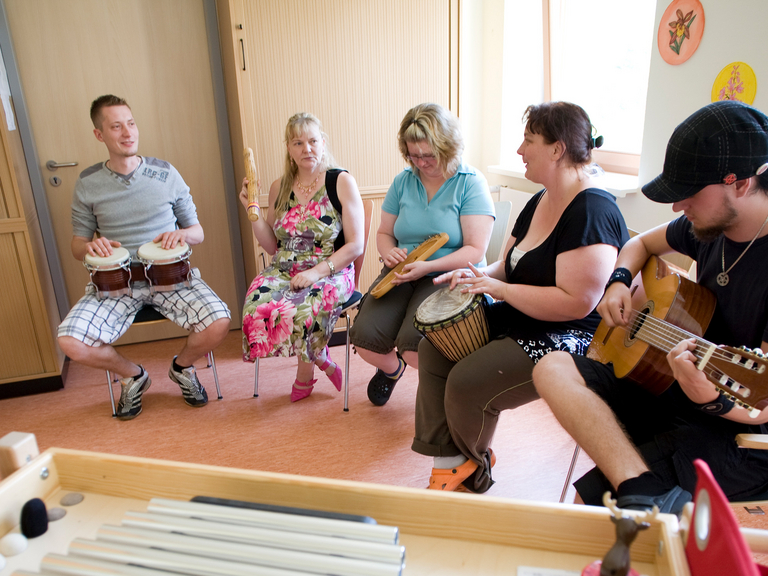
x=149, y=314
x=349, y=305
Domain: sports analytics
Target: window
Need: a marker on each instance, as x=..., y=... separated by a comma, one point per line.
x=597, y=55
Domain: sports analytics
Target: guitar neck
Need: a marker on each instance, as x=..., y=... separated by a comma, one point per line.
x=737, y=373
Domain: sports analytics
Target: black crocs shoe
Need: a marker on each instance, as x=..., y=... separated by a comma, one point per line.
x=671, y=502
x=381, y=386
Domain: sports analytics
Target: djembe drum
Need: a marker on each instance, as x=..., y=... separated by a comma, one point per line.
x=453, y=322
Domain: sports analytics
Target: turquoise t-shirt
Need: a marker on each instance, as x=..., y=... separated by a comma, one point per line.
x=464, y=194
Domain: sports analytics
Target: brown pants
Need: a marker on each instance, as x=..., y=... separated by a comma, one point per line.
x=458, y=404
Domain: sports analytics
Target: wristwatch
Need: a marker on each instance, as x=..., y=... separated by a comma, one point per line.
x=331, y=267
x=620, y=275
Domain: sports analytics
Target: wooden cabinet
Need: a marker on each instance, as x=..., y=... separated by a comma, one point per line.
x=29, y=358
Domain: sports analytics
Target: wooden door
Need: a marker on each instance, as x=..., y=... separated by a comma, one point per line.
x=154, y=54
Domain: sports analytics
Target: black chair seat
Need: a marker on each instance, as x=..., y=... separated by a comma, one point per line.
x=354, y=299
x=147, y=314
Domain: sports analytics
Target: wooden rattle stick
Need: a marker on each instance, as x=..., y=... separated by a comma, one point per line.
x=253, y=191
x=421, y=252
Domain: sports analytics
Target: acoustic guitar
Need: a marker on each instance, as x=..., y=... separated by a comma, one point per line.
x=666, y=309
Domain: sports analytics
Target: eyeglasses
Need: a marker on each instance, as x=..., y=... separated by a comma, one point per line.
x=422, y=158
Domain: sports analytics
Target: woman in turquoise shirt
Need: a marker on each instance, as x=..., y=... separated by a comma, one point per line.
x=436, y=193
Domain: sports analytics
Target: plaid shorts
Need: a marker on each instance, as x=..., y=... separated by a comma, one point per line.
x=95, y=322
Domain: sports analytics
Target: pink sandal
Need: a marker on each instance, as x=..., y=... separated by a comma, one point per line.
x=301, y=390
x=336, y=377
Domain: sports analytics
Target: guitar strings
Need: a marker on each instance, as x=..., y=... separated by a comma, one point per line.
x=661, y=331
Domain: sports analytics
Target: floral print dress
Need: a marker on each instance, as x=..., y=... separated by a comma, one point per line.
x=280, y=322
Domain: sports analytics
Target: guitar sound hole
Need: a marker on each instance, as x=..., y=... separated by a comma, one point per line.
x=637, y=324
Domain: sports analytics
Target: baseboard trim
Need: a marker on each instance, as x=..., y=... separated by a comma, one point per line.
x=29, y=387
x=34, y=385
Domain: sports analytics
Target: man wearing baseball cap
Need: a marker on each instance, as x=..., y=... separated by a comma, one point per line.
x=644, y=445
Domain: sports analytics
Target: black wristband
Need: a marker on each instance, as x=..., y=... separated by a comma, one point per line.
x=620, y=275
x=718, y=407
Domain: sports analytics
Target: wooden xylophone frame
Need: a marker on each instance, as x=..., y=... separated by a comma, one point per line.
x=448, y=533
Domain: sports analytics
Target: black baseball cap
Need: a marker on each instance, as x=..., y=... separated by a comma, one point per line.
x=720, y=143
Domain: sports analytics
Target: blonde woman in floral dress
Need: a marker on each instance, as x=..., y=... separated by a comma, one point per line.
x=291, y=308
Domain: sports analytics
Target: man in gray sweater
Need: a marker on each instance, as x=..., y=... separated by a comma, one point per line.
x=127, y=201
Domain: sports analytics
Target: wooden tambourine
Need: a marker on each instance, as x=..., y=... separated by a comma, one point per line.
x=253, y=191
x=421, y=252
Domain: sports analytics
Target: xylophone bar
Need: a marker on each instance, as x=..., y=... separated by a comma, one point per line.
x=171, y=561
x=363, y=550
x=59, y=564
x=246, y=553
x=201, y=539
x=302, y=524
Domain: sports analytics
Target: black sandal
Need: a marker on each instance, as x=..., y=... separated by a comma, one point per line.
x=381, y=386
x=671, y=502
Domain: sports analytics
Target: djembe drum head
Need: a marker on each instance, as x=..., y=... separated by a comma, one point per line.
x=454, y=322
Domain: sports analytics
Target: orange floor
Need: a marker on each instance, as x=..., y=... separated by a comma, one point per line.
x=312, y=437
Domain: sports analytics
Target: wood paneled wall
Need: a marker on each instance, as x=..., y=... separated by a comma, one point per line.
x=358, y=66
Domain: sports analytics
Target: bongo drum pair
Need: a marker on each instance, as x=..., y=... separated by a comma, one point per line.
x=164, y=270
x=453, y=322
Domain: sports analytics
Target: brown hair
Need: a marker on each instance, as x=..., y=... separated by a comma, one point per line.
x=104, y=102
x=566, y=123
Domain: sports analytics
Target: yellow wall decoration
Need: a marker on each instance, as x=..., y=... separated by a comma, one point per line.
x=736, y=81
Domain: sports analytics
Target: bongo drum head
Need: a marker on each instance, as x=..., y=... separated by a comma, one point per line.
x=444, y=304
x=154, y=252
x=118, y=257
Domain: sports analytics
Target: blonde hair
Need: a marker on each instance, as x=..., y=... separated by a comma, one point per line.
x=299, y=124
x=433, y=124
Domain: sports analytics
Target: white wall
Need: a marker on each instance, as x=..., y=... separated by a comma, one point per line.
x=733, y=32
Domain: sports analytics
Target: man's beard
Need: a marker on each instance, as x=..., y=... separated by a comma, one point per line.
x=714, y=231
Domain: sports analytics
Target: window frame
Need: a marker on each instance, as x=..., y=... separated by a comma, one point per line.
x=617, y=162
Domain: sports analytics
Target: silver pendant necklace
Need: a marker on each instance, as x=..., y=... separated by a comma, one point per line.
x=722, y=278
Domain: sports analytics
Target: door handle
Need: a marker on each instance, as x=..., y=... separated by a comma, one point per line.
x=52, y=165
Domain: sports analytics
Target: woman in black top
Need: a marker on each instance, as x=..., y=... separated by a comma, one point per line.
x=561, y=252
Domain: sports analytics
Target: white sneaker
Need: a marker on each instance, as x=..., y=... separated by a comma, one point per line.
x=194, y=393
x=131, y=390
